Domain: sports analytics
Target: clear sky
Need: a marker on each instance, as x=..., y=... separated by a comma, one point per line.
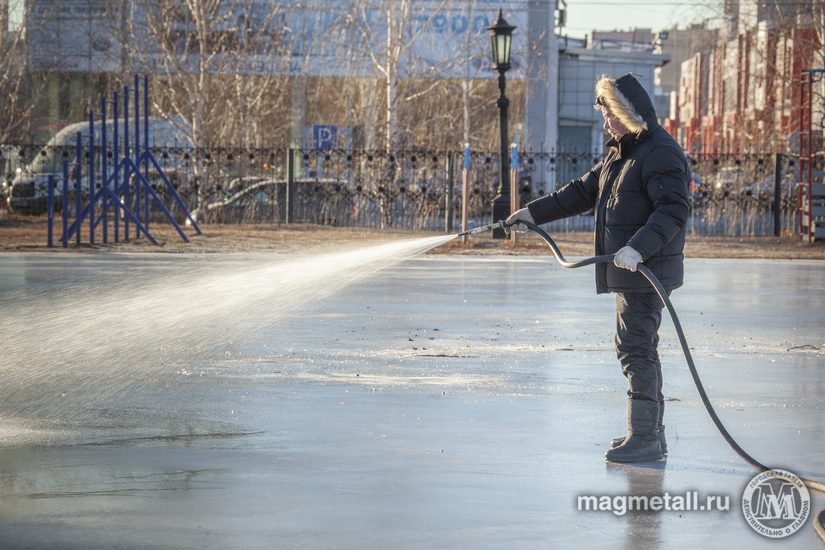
x=585, y=16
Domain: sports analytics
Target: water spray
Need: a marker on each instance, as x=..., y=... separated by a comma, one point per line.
x=819, y=519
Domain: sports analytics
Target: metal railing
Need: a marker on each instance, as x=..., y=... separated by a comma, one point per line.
x=731, y=195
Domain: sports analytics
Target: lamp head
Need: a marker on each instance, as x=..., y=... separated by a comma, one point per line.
x=501, y=34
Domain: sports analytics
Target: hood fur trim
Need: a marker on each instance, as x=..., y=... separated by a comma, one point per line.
x=609, y=96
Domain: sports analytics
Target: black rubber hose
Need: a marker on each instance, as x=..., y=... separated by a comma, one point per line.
x=819, y=520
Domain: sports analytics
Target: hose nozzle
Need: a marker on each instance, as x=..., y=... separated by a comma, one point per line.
x=498, y=225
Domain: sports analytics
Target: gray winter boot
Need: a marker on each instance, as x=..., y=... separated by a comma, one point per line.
x=642, y=443
x=662, y=441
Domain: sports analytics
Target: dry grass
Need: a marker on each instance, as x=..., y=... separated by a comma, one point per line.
x=27, y=233
x=581, y=244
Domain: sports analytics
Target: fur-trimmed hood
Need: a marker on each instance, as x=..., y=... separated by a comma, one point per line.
x=628, y=101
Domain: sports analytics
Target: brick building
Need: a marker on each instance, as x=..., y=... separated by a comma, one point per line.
x=741, y=96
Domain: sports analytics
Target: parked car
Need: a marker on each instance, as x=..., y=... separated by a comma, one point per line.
x=759, y=189
x=310, y=196
x=697, y=189
x=29, y=188
x=729, y=182
x=765, y=187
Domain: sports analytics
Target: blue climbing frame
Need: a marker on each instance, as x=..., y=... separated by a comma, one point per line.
x=114, y=191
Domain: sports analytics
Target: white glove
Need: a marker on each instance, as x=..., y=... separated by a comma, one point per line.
x=627, y=258
x=512, y=222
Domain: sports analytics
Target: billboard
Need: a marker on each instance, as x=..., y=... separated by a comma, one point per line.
x=75, y=36
x=347, y=38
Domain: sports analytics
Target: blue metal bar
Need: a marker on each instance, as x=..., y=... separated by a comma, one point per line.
x=137, y=149
x=175, y=195
x=88, y=210
x=65, y=214
x=149, y=191
x=78, y=219
x=77, y=184
x=50, y=213
x=146, y=141
x=113, y=195
x=126, y=197
x=103, y=170
x=116, y=170
x=130, y=216
x=91, y=177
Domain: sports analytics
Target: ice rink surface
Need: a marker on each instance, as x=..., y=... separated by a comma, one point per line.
x=339, y=401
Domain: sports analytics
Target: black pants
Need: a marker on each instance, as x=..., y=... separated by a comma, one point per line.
x=638, y=317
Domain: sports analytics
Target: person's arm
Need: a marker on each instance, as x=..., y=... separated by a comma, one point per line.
x=576, y=197
x=666, y=182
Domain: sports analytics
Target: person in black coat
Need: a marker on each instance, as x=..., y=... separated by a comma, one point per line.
x=639, y=194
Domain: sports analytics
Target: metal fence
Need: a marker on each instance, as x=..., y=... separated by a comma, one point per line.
x=731, y=195
x=735, y=195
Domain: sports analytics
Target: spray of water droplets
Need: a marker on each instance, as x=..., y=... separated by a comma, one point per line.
x=75, y=346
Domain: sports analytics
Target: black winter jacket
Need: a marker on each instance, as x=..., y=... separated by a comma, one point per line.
x=640, y=196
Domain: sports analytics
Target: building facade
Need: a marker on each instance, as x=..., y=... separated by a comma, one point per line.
x=742, y=94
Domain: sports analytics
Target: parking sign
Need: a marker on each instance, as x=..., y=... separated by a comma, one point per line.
x=324, y=136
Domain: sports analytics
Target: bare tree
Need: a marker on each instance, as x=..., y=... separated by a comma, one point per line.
x=203, y=49
x=18, y=91
x=392, y=49
x=420, y=66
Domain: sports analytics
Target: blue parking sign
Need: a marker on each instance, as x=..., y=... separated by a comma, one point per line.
x=324, y=136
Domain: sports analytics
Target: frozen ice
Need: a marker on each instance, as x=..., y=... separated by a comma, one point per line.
x=382, y=399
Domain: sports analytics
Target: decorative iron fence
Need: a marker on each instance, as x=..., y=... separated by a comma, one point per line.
x=731, y=195
x=734, y=195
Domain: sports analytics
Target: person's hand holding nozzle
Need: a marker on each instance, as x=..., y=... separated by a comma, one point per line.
x=627, y=258
x=512, y=223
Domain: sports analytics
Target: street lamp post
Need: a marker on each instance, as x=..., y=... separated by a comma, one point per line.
x=501, y=37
